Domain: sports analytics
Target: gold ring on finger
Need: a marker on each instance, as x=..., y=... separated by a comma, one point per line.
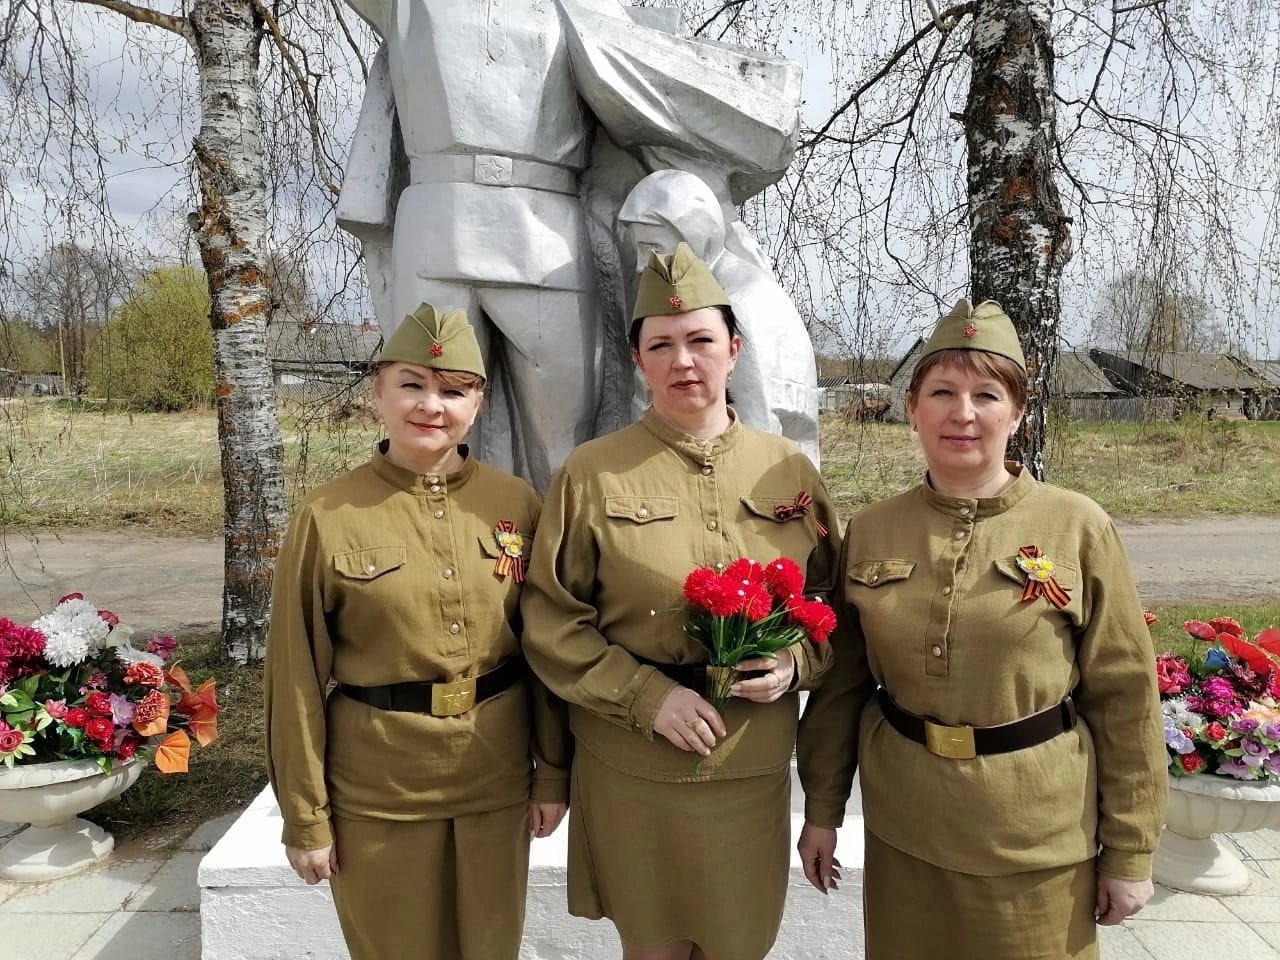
x=692, y=723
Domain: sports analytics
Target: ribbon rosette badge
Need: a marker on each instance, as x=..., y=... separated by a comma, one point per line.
x=511, y=543
x=1040, y=579
x=803, y=505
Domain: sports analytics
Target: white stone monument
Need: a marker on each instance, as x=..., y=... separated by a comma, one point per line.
x=478, y=180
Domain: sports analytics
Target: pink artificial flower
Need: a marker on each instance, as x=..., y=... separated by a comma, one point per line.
x=56, y=708
x=1200, y=630
x=162, y=645
x=70, y=596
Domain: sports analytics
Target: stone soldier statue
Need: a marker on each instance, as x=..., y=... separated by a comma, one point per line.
x=466, y=183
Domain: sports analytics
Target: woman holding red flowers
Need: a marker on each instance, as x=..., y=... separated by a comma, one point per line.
x=993, y=685
x=680, y=822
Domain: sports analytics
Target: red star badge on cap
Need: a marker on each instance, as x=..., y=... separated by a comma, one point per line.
x=677, y=302
x=437, y=350
x=969, y=331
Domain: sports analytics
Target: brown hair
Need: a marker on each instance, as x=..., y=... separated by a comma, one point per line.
x=979, y=363
x=459, y=379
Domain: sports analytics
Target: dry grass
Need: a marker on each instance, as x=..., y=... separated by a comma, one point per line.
x=92, y=468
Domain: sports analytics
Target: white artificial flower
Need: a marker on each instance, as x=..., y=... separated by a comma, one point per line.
x=129, y=655
x=119, y=636
x=73, y=632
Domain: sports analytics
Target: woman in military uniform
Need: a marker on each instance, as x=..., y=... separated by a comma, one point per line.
x=411, y=753
x=1012, y=757
x=687, y=859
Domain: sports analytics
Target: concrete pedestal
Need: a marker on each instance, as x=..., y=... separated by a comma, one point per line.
x=253, y=907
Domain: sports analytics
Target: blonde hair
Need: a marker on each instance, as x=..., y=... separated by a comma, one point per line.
x=459, y=379
x=978, y=363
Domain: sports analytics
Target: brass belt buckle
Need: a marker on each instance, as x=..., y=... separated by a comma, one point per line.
x=954, y=743
x=451, y=699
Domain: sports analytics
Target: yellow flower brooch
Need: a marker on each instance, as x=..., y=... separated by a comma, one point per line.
x=1040, y=579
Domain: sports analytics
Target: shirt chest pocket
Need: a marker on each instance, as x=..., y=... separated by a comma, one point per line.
x=641, y=511
x=1058, y=590
x=880, y=573
x=784, y=527
x=369, y=563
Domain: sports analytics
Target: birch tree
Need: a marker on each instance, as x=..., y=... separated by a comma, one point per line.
x=40, y=57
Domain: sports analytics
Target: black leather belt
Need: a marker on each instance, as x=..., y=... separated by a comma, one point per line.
x=964, y=743
x=692, y=675
x=439, y=699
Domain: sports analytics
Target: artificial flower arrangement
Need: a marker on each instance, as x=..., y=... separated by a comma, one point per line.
x=73, y=687
x=1221, y=703
x=751, y=611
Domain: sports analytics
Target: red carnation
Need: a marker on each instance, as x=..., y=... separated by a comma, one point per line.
x=128, y=747
x=98, y=704
x=723, y=598
x=101, y=731
x=757, y=603
x=1200, y=630
x=76, y=717
x=784, y=578
x=144, y=673
x=109, y=618
x=71, y=596
x=744, y=570
x=1227, y=625
x=1191, y=762
x=815, y=618
x=699, y=585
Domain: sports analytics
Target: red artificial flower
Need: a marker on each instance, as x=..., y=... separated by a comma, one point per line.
x=1172, y=675
x=1227, y=625
x=70, y=596
x=98, y=703
x=1269, y=640
x=700, y=585
x=128, y=747
x=757, y=602
x=1150, y=617
x=76, y=717
x=1215, y=731
x=784, y=578
x=723, y=599
x=109, y=618
x=144, y=674
x=1191, y=762
x=815, y=618
x=11, y=740
x=1200, y=630
x=745, y=571
x=100, y=730
x=1255, y=658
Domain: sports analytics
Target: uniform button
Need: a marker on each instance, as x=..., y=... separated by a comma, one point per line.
x=719, y=567
x=959, y=534
x=455, y=627
x=937, y=650
x=946, y=591
x=706, y=471
x=439, y=514
x=642, y=512
x=434, y=488
x=964, y=511
x=447, y=572
x=371, y=569
x=711, y=525
x=433, y=479
x=874, y=578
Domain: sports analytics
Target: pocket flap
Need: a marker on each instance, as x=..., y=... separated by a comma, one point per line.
x=876, y=573
x=642, y=509
x=767, y=507
x=1065, y=573
x=370, y=562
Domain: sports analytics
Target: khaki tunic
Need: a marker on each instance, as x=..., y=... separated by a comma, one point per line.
x=931, y=607
x=626, y=520
x=388, y=576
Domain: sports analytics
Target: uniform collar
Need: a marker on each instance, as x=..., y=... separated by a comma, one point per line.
x=421, y=483
x=701, y=451
x=966, y=508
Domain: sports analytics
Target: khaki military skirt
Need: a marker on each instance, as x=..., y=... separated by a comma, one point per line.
x=702, y=861
x=916, y=911
x=433, y=889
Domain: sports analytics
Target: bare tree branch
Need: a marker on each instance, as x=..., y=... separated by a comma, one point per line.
x=155, y=18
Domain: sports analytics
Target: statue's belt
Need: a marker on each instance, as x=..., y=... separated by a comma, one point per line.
x=491, y=170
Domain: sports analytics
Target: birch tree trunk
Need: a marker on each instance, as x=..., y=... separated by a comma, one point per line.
x=1019, y=235
x=230, y=226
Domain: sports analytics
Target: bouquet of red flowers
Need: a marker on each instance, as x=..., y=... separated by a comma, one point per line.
x=749, y=611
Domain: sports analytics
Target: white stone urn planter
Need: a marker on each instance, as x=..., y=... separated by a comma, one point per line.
x=50, y=797
x=1188, y=858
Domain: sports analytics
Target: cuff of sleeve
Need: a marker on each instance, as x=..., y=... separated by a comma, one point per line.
x=824, y=813
x=307, y=836
x=550, y=790
x=1124, y=865
x=644, y=708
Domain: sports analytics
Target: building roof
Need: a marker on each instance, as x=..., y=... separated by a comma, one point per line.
x=1268, y=371
x=825, y=382
x=1075, y=375
x=310, y=345
x=1200, y=371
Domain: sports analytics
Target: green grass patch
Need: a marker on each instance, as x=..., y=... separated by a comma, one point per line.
x=223, y=777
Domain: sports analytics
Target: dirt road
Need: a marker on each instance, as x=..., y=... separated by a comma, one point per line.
x=156, y=583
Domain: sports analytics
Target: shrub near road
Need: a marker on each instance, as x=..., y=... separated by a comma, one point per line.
x=92, y=467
